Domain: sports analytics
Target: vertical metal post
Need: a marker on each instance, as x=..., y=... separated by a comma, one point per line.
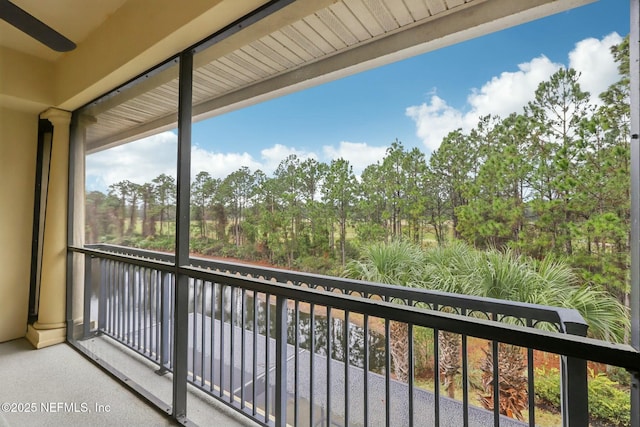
x=634, y=63
x=181, y=302
x=281, y=362
x=574, y=392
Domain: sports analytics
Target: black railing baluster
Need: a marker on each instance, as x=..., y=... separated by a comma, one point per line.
x=267, y=359
x=136, y=306
x=465, y=379
x=203, y=330
x=411, y=372
x=346, y=358
x=296, y=364
x=86, y=315
x=254, y=370
x=212, y=337
x=280, y=409
x=436, y=374
x=329, y=349
x=129, y=306
x=312, y=351
x=366, y=370
x=145, y=300
x=157, y=346
x=122, y=302
x=436, y=377
x=222, y=346
x=496, y=383
x=118, y=305
x=102, y=298
x=531, y=394
x=232, y=359
x=243, y=337
x=194, y=329
x=387, y=373
x=165, y=306
x=124, y=334
x=173, y=319
x=111, y=281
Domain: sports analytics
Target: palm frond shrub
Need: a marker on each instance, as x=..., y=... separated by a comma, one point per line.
x=505, y=274
x=394, y=263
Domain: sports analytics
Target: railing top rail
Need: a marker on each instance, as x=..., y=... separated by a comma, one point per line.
x=567, y=320
x=157, y=264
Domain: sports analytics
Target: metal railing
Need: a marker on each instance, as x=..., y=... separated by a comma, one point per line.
x=292, y=348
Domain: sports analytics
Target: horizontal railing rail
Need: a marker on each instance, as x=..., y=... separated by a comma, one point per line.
x=258, y=340
x=562, y=318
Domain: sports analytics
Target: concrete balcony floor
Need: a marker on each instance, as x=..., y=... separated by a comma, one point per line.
x=57, y=386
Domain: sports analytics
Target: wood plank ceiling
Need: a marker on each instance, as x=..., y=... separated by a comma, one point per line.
x=334, y=29
x=350, y=35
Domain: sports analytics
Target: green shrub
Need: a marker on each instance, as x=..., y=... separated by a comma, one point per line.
x=547, y=386
x=608, y=402
x=315, y=264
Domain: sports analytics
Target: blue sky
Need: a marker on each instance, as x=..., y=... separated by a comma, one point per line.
x=417, y=101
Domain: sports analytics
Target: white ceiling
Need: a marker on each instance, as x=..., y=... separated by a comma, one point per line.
x=74, y=19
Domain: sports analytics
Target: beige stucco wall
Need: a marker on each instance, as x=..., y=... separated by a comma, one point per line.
x=18, y=145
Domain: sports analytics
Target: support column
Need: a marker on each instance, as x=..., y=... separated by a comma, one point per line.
x=78, y=154
x=50, y=328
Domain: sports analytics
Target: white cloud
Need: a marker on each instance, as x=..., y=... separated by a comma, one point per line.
x=358, y=154
x=434, y=120
x=272, y=156
x=502, y=95
x=219, y=165
x=140, y=161
x=593, y=59
x=511, y=91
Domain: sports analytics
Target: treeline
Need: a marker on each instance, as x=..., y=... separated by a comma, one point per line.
x=554, y=179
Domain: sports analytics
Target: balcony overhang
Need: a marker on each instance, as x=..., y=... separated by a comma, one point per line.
x=299, y=45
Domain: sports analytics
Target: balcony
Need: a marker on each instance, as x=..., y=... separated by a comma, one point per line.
x=257, y=340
